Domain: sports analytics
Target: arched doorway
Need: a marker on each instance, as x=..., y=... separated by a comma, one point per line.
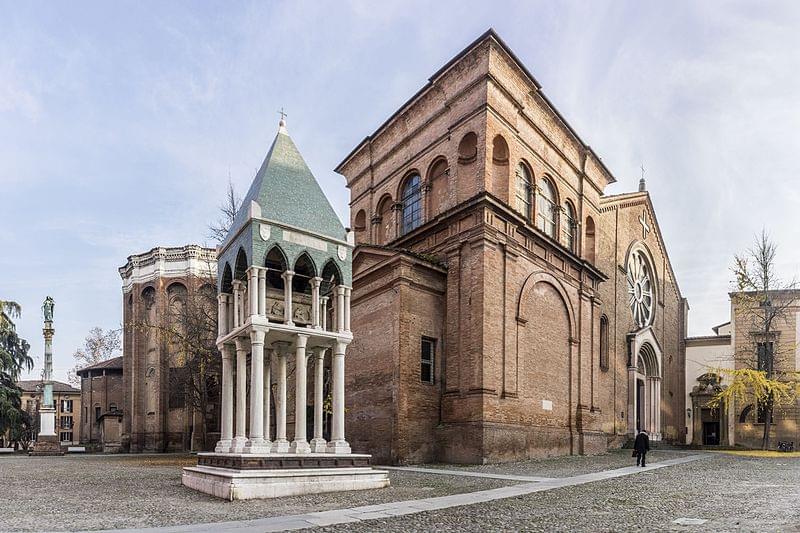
x=644, y=386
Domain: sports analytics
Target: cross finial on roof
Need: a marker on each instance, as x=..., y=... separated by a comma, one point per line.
x=642, y=185
x=282, y=123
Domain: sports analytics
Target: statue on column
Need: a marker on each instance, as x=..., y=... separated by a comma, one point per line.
x=47, y=308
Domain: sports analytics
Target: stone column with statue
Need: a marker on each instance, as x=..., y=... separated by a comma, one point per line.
x=47, y=442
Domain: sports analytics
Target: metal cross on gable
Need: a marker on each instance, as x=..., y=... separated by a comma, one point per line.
x=282, y=114
x=645, y=225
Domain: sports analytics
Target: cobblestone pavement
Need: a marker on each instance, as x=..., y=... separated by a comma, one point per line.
x=130, y=491
x=731, y=493
x=565, y=466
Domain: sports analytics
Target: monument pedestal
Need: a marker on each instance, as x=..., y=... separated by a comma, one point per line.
x=47, y=442
x=234, y=476
x=46, y=445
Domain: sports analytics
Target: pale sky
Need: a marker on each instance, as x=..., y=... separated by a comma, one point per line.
x=121, y=122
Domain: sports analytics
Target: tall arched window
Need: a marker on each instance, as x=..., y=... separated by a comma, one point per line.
x=523, y=190
x=568, y=226
x=546, y=208
x=604, y=342
x=411, y=200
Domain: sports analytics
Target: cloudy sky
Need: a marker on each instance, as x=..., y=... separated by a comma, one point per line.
x=120, y=123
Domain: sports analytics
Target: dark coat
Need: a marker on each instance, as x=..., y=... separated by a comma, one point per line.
x=642, y=443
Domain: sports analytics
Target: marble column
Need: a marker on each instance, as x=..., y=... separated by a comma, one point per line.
x=315, y=283
x=268, y=394
x=281, y=444
x=222, y=314
x=262, y=292
x=253, y=291
x=338, y=444
x=340, y=309
x=237, y=303
x=229, y=312
x=256, y=443
x=226, y=437
x=300, y=444
x=240, y=440
x=324, y=312
x=318, y=444
x=287, y=297
x=347, y=292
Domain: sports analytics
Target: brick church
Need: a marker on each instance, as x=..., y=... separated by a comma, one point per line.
x=503, y=306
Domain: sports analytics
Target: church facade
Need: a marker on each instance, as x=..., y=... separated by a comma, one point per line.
x=503, y=306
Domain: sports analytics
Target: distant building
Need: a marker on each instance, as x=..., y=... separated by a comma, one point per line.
x=156, y=417
x=102, y=396
x=739, y=344
x=68, y=407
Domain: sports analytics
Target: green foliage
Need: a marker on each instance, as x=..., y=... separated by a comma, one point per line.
x=748, y=385
x=14, y=360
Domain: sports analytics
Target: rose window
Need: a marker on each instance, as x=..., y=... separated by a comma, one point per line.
x=640, y=290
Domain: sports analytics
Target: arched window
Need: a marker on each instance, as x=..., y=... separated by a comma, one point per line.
x=276, y=266
x=412, y=204
x=331, y=277
x=604, y=342
x=546, y=208
x=240, y=271
x=227, y=280
x=589, y=240
x=568, y=226
x=745, y=412
x=523, y=189
x=303, y=272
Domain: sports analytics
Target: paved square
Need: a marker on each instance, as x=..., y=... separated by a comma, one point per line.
x=601, y=493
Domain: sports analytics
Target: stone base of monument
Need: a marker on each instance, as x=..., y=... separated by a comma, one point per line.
x=247, y=476
x=46, y=445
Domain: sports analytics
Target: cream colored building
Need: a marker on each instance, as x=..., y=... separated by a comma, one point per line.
x=704, y=355
x=735, y=344
x=68, y=407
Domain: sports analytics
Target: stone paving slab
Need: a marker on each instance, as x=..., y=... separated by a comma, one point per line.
x=393, y=510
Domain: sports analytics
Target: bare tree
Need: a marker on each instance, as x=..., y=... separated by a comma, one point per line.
x=218, y=230
x=99, y=345
x=764, y=368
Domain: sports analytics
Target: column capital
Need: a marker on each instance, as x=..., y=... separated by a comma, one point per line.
x=257, y=336
x=281, y=348
x=237, y=283
x=316, y=281
x=301, y=340
x=287, y=274
x=241, y=344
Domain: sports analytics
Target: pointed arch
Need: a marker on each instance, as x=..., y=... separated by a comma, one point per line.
x=304, y=269
x=331, y=277
x=276, y=263
x=360, y=226
x=242, y=264
x=226, y=286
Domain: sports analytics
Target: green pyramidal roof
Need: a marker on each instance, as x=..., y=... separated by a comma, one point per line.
x=288, y=193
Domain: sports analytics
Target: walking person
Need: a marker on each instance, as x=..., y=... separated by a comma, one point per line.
x=640, y=447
